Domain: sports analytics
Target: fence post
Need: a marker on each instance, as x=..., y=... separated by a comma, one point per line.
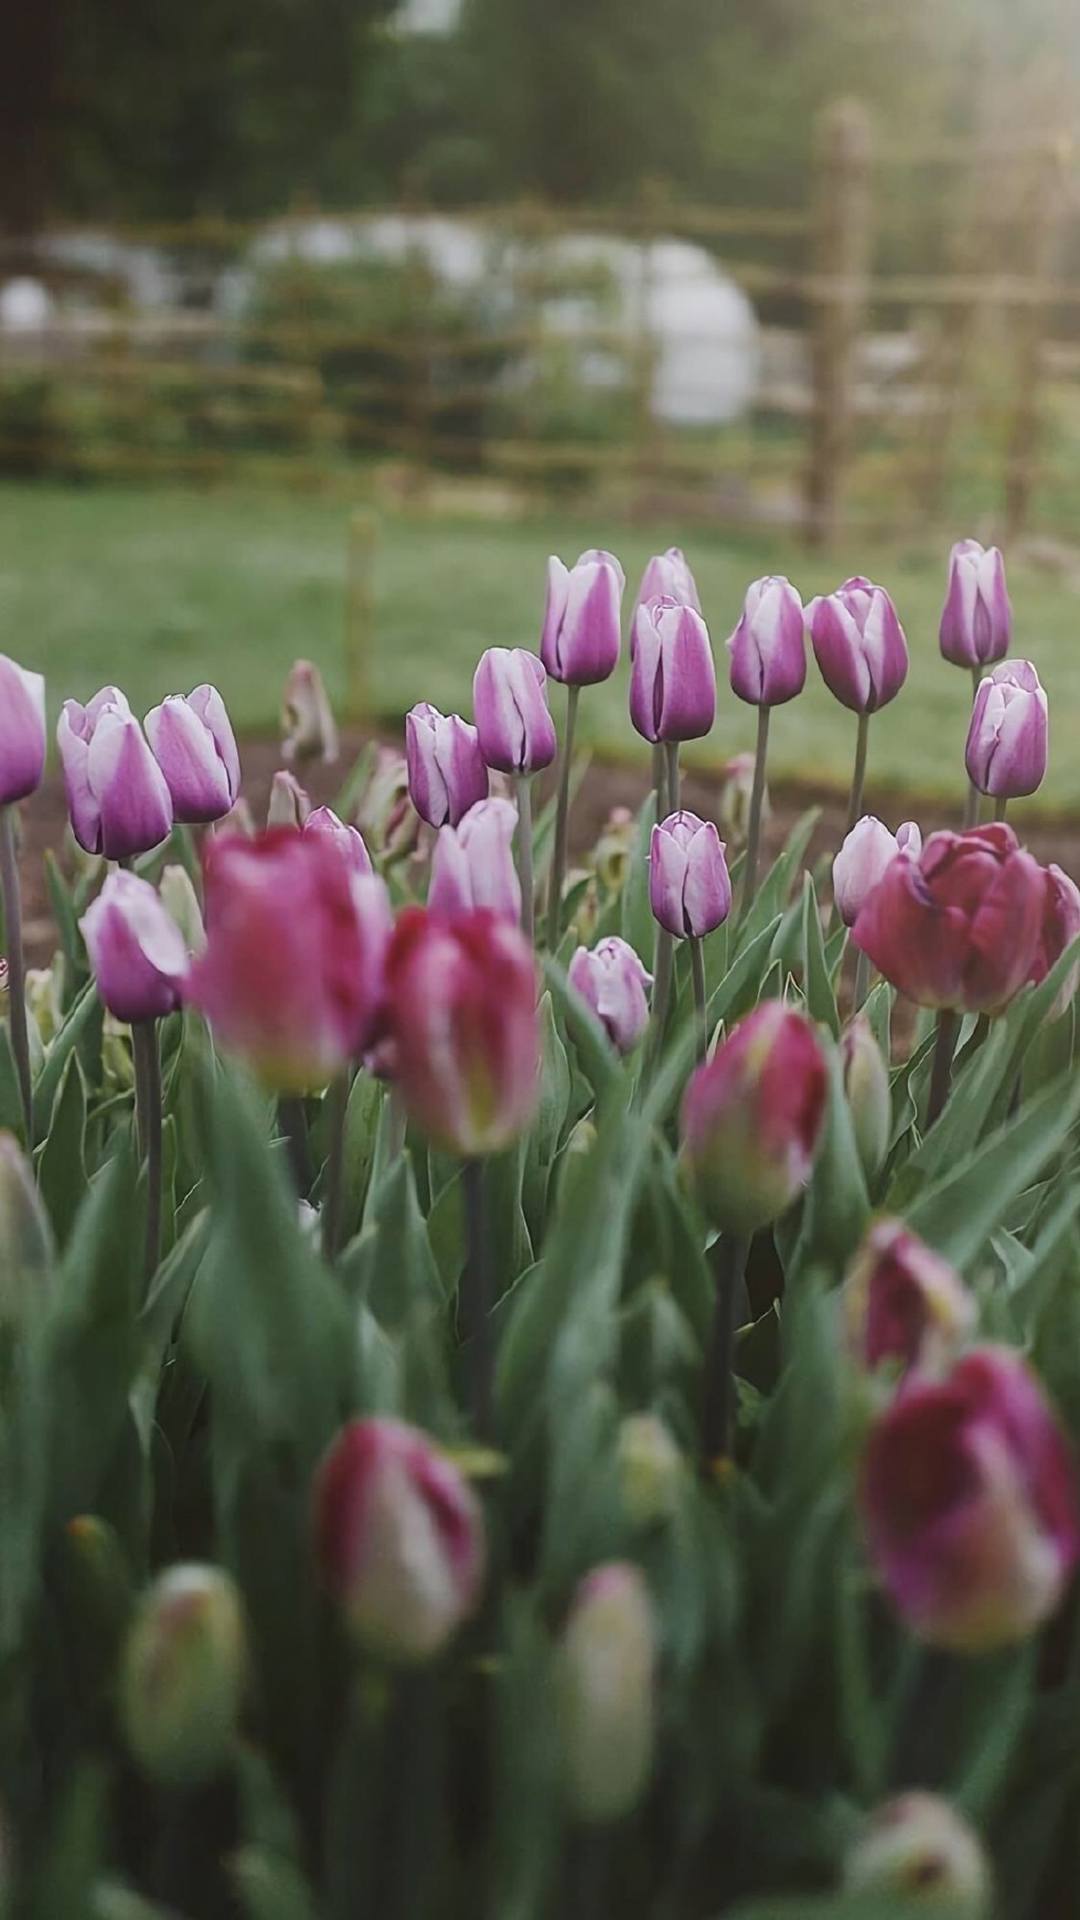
x=363, y=536
x=842, y=231
x=1039, y=220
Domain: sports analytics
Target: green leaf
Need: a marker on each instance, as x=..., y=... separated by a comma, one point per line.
x=66, y=917
x=738, y=990
x=637, y=925
x=817, y=983
x=83, y=1024
x=61, y=1161
x=837, y=1205
x=771, y=896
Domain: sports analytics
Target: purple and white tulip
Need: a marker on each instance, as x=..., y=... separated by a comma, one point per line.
x=976, y=622
x=22, y=731
x=689, y=884
x=138, y=954
x=193, y=743
x=473, y=863
x=582, y=631
x=672, y=680
x=612, y=980
x=1007, y=742
x=768, y=647
x=514, y=724
x=859, y=645
x=447, y=771
x=117, y=795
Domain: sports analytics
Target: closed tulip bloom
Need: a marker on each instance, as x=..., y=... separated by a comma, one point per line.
x=385, y=814
x=612, y=981
x=289, y=803
x=752, y=1118
x=447, y=771
x=768, y=647
x=606, y=1683
x=868, y=849
x=909, y=838
x=1060, y=927
x=1007, y=738
x=292, y=977
x=308, y=729
x=193, y=743
x=462, y=1015
x=733, y=803
x=117, y=795
x=22, y=731
x=517, y=732
x=399, y=1539
x=473, y=864
x=859, y=645
x=137, y=952
x=976, y=623
x=970, y=1503
x=960, y=926
x=583, y=619
x=903, y=1304
x=349, y=841
x=181, y=903
x=866, y=1085
x=183, y=1675
x=672, y=680
x=689, y=884
x=667, y=576
x=918, y=1847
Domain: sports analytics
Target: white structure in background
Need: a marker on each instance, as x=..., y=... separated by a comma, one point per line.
x=25, y=306
x=428, y=16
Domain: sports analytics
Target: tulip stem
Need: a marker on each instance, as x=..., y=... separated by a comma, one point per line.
x=941, y=1072
x=337, y=1101
x=144, y=1042
x=862, y=978
x=562, y=822
x=757, y=801
x=701, y=1015
x=663, y=964
x=671, y=760
x=971, y=804
x=659, y=778
x=20, y=1043
x=1000, y=805
x=475, y=1300
x=718, y=1426
x=858, y=774
x=523, y=791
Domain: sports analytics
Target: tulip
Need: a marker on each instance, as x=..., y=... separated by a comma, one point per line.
x=117, y=795
x=516, y=731
x=612, y=980
x=447, y=771
x=614, y=850
x=181, y=903
x=293, y=973
x=22, y=731
x=768, y=647
x=289, y=804
x=193, y=743
x=348, y=840
x=903, y=1304
x=689, y=885
x=183, y=1675
x=867, y=850
x=672, y=680
x=308, y=731
x=1007, y=739
x=976, y=622
x=959, y=927
x=650, y=1470
x=969, y=1500
x=399, y=1539
x=473, y=864
x=606, y=1679
x=666, y=577
x=909, y=838
x=752, y=1118
x=866, y=1085
x=1060, y=927
x=462, y=1012
x=385, y=814
x=917, y=1847
x=582, y=627
x=137, y=952
x=735, y=798
x=859, y=645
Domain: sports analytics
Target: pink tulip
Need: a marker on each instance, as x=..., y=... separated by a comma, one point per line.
x=462, y=1015
x=612, y=980
x=768, y=647
x=582, y=619
x=473, y=864
x=193, y=743
x=447, y=771
x=969, y=1500
x=22, y=731
x=117, y=795
x=1007, y=746
x=960, y=926
x=137, y=953
x=348, y=840
x=859, y=645
x=672, y=679
x=689, y=884
x=903, y=1304
x=399, y=1539
x=976, y=624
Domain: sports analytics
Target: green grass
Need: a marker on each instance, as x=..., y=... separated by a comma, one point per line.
x=160, y=588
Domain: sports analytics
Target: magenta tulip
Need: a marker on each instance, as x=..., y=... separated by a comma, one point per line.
x=689, y=884
x=859, y=645
x=137, y=952
x=666, y=577
x=193, y=743
x=447, y=771
x=976, y=623
x=903, y=1304
x=473, y=864
x=349, y=841
x=517, y=733
x=969, y=1499
x=1060, y=927
x=1007, y=739
x=582, y=619
x=612, y=981
x=768, y=647
x=117, y=795
x=672, y=680
x=960, y=926
x=22, y=731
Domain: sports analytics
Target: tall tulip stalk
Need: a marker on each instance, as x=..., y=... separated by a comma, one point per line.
x=862, y=655
x=768, y=668
x=976, y=625
x=517, y=737
x=579, y=646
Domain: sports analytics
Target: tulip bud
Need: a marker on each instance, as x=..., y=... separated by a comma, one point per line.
x=866, y=1085
x=904, y=1304
x=859, y=645
x=959, y=926
x=398, y=1538
x=1006, y=749
x=43, y=1002
x=194, y=745
x=666, y=577
x=582, y=619
x=473, y=864
x=462, y=1013
x=752, y=1118
x=918, y=1847
x=614, y=849
x=26, y=1239
x=447, y=771
x=289, y=804
x=689, y=884
x=860, y=863
x=308, y=731
x=672, y=679
x=348, y=840
x=517, y=733
x=650, y=1469
x=1060, y=927
x=969, y=1501
x=909, y=838
x=385, y=814
x=181, y=903
x=976, y=624
x=606, y=1683
x=612, y=981
x=22, y=731
x=136, y=949
x=117, y=795
x=733, y=804
x=585, y=918
x=183, y=1675
x=768, y=647
x=239, y=819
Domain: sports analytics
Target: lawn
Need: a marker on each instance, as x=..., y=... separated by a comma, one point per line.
x=162, y=588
